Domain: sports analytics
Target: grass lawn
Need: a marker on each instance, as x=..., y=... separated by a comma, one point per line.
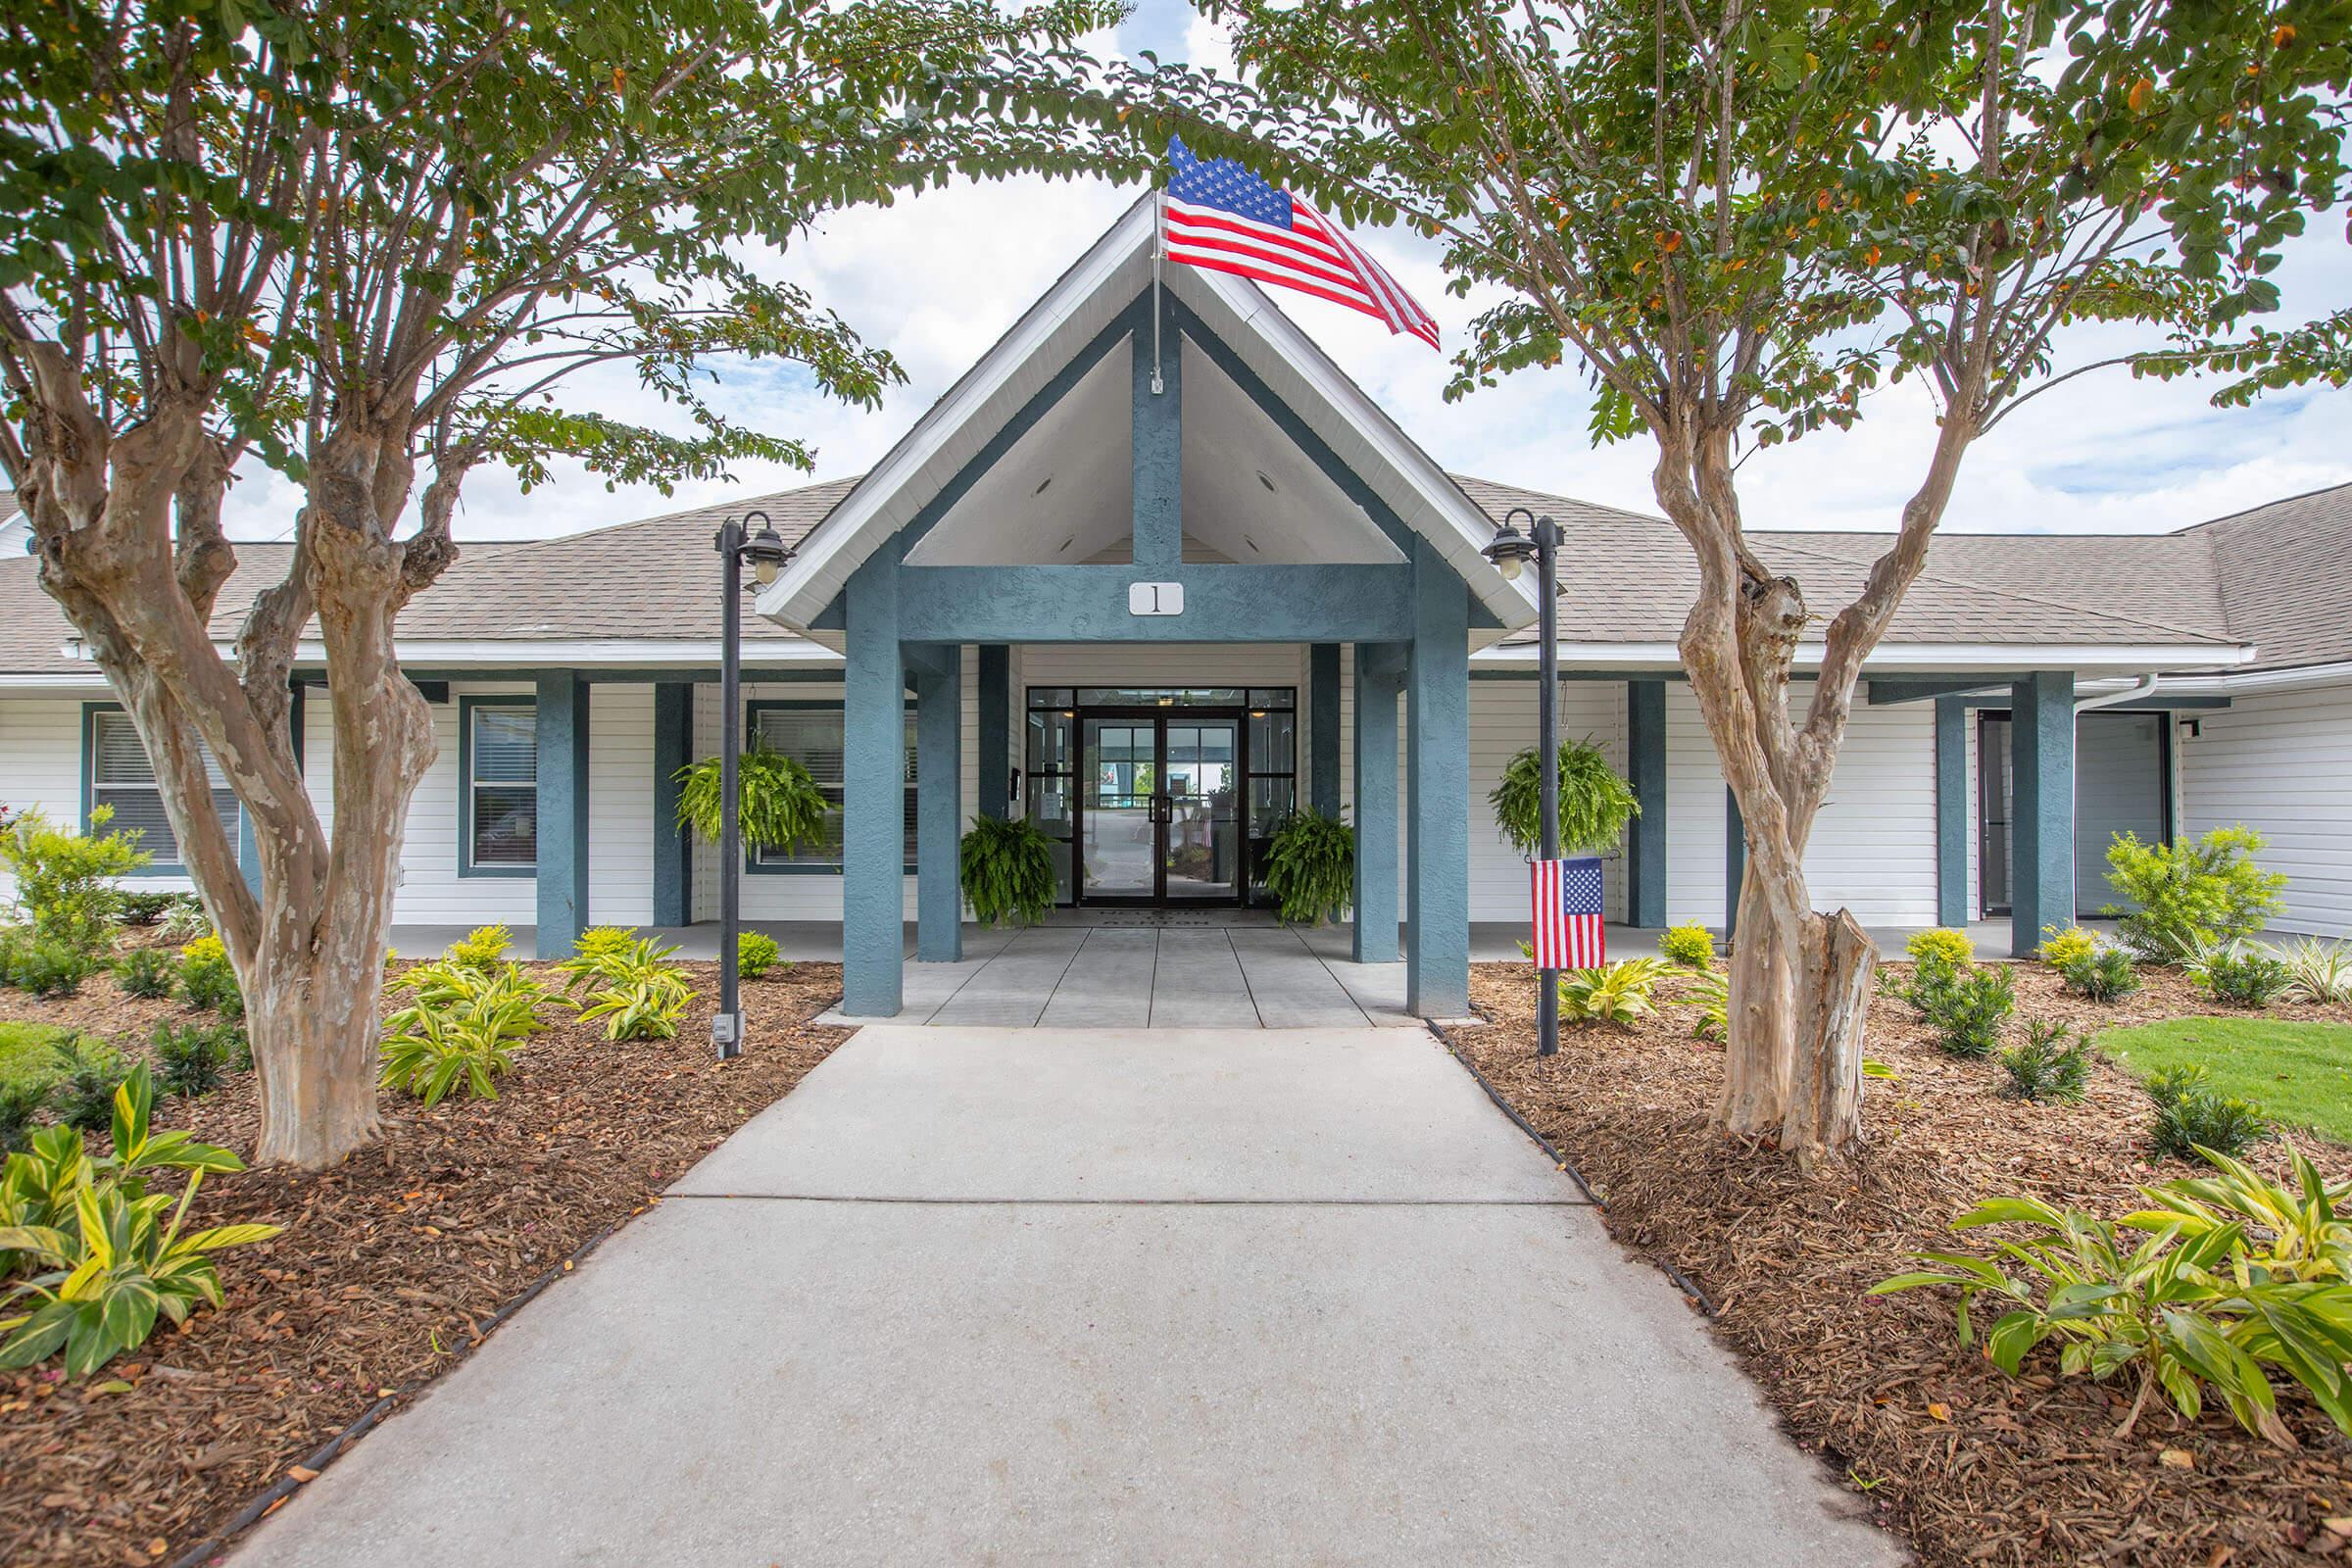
x=29, y=1052
x=2297, y=1073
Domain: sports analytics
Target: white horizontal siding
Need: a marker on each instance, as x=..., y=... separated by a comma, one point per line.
x=620, y=804
x=1873, y=848
x=2283, y=765
x=1502, y=724
x=41, y=739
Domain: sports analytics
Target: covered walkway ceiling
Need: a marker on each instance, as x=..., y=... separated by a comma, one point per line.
x=1062, y=495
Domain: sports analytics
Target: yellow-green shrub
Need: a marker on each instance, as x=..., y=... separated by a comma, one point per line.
x=1690, y=944
x=1943, y=945
x=2070, y=945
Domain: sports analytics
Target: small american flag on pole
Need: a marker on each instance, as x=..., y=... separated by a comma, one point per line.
x=1222, y=217
x=1568, y=898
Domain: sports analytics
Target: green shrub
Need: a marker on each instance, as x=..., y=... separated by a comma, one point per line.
x=2290, y=1233
x=779, y=807
x=118, y=1257
x=600, y=941
x=2180, y=1311
x=482, y=947
x=65, y=880
x=208, y=980
x=1711, y=993
x=88, y=1073
x=2104, y=976
x=1007, y=870
x=1310, y=867
x=143, y=908
x=637, y=992
x=2191, y=1117
x=44, y=966
x=1927, y=987
x=2192, y=894
x=146, y=973
x=1941, y=945
x=2054, y=1064
x=756, y=952
x=2244, y=976
x=19, y=1103
x=1614, y=993
x=1967, y=1015
x=1691, y=946
x=2061, y=948
x=190, y=1059
x=2318, y=971
x=1595, y=803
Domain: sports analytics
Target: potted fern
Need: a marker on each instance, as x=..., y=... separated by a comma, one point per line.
x=1310, y=867
x=1007, y=868
x=1595, y=803
x=779, y=806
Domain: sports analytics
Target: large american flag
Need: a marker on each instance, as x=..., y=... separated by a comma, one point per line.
x=1568, y=898
x=1222, y=217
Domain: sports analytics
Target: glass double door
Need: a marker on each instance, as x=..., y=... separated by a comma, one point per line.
x=1159, y=807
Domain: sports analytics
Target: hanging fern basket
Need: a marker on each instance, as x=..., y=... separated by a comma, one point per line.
x=1595, y=803
x=779, y=806
x=1007, y=871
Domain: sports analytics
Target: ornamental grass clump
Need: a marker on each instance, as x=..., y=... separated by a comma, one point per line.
x=2052, y=1066
x=2192, y=1117
x=1007, y=871
x=1310, y=867
x=1595, y=804
x=2106, y=975
x=2318, y=971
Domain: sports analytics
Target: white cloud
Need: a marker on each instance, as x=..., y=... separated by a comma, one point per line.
x=939, y=277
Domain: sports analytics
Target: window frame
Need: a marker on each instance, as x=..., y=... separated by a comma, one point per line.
x=467, y=704
x=241, y=834
x=752, y=707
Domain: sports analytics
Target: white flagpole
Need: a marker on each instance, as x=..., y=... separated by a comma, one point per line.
x=1160, y=248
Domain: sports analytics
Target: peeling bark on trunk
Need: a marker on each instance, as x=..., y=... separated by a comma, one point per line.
x=308, y=950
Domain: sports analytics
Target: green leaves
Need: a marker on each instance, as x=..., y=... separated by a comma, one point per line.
x=460, y=1033
x=628, y=984
x=1007, y=871
x=1595, y=804
x=1310, y=867
x=779, y=806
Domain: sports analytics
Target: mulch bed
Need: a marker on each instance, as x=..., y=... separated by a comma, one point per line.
x=388, y=1264
x=1973, y=1466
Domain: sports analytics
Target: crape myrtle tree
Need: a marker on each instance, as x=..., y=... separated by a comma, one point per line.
x=364, y=245
x=1741, y=217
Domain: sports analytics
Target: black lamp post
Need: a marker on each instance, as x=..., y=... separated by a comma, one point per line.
x=1510, y=552
x=767, y=553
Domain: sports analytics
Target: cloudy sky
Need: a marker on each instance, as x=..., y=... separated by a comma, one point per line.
x=938, y=279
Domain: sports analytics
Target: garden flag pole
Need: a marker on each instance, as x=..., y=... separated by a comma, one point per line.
x=1219, y=215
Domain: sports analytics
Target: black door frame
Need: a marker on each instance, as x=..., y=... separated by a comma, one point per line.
x=1161, y=813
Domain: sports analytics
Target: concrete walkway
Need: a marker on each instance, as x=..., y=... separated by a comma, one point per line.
x=1175, y=977
x=1047, y=1296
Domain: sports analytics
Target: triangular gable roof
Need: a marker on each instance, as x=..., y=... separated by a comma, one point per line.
x=1082, y=304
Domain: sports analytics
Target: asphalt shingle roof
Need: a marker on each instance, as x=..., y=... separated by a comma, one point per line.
x=2279, y=575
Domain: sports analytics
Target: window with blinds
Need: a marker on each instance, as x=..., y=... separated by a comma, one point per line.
x=121, y=777
x=813, y=736
x=501, y=787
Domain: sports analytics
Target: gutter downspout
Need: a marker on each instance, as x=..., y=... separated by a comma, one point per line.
x=2145, y=687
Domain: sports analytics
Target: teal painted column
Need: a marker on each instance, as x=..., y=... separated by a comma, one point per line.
x=938, y=804
x=995, y=674
x=562, y=811
x=1158, y=450
x=1951, y=811
x=1323, y=728
x=1735, y=861
x=1378, y=685
x=1645, y=771
x=1437, y=854
x=673, y=848
x=873, y=847
x=2041, y=831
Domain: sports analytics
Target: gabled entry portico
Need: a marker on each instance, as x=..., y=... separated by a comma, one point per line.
x=1260, y=499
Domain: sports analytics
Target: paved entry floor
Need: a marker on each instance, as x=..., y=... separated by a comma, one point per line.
x=1224, y=976
x=1099, y=1296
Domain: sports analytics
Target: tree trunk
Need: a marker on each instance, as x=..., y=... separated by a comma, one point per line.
x=1800, y=999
